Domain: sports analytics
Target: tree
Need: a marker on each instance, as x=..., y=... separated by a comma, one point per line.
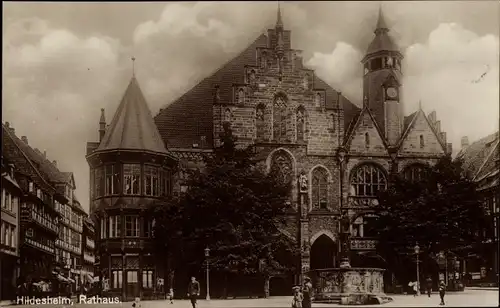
x=441, y=212
x=232, y=207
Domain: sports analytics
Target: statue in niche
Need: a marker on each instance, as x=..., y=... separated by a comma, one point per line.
x=303, y=183
x=300, y=125
x=241, y=96
x=227, y=115
x=260, y=114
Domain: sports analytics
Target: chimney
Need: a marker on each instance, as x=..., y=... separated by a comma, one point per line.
x=45, y=154
x=10, y=129
x=7, y=124
x=102, y=125
x=24, y=139
x=432, y=117
x=437, y=126
x=54, y=162
x=443, y=137
x=449, y=148
x=464, y=142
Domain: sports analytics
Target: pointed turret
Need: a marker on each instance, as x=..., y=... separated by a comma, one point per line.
x=381, y=24
x=279, y=20
x=102, y=125
x=132, y=126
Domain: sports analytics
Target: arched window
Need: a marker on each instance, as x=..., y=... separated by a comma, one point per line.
x=317, y=100
x=422, y=144
x=227, y=115
x=241, y=96
x=259, y=121
x=263, y=60
x=305, y=82
x=279, y=117
x=367, y=180
x=416, y=172
x=319, y=188
x=367, y=140
x=282, y=167
x=301, y=123
x=251, y=77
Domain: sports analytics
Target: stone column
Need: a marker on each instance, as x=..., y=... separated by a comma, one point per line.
x=304, y=227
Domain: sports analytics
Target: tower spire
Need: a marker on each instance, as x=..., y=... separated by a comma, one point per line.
x=133, y=66
x=381, y=24
x=279, y=21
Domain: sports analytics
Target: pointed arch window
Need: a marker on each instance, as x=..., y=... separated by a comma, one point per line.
x=263, y=60
x=251, y=77
x=282, y=167
x=422, y=143
x=241, y=96
x=319, y=188
x=367, y=140
x=301, y=123
x=367, y=180
x=227, y=115
x=279, y=118
x=317, y=100
x=259, y=121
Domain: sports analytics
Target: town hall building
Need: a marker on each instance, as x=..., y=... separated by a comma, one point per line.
x=342, y=151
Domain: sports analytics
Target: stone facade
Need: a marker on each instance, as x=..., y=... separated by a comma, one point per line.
x=299, y=125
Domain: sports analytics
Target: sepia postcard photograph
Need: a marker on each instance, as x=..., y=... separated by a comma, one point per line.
x=250, y=154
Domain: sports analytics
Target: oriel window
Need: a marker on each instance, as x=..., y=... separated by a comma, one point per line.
x=132, y=179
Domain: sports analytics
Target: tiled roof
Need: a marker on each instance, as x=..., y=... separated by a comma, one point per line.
x=132, y=126
x=186, y=120
x=479, y=157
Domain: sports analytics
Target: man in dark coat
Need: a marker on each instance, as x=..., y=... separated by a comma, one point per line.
x=442, y=290
x=307, y=293
x=193, y=291
x=429, y=285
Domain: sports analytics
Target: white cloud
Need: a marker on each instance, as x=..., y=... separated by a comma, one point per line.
x=440, y=72
x=54, y=84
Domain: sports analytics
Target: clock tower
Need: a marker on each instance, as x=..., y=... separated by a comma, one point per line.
x=382, y=77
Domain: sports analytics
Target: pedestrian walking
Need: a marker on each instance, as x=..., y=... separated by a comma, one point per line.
x=307, y=293
x=193, y=291
x=442, y=291
x=298, y=297
x=171, y=295
x=429, y=285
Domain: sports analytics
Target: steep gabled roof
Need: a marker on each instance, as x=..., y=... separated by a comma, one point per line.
x=408, y=125
x=480, y=157
x=356, y=123
x=190, y=117
x=132, y=127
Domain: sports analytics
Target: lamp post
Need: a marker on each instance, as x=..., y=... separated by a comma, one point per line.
x=207, y=254
x=417, y=250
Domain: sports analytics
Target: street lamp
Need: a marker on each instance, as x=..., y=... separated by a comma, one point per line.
x=207, y=254
x=417, y=250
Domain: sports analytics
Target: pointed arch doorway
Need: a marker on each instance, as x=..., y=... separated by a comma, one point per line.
x=323, y=252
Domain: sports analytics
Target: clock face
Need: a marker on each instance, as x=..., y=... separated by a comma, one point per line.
x=391, y=92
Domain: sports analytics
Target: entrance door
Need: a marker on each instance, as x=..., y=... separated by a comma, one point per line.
x=132, y=284
x=323, y=252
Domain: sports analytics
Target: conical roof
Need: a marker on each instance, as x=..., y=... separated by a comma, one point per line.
x=382, y=40
x=132, y=127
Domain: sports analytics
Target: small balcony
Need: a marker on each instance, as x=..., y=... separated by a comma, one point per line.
x=43, y=221
x=360, y=243
x=90, y=243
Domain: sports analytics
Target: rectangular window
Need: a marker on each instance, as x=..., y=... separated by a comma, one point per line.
x=117, y=185
x=109, y=183
x=7, y=234
x=13, y=236
x=103, y=228
x=132, y=179
x=132, y=277
x=132, y=226
x=115, y=225
x=7, y=200
x=376, y=64
x=168, y=183
x=31, y=187
x=148, y=180
x=2, y=232
x=147, y=279
x=117, y=279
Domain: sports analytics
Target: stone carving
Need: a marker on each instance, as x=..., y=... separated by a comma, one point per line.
x=362, y=202
x=300, y=125
x=282, y=167
x=303, y=183
x=363, y=244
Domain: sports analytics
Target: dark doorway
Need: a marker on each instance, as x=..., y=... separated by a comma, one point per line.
x=323, y=252
x=280, y=286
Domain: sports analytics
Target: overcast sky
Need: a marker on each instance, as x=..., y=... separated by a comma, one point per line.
x=63, y=62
